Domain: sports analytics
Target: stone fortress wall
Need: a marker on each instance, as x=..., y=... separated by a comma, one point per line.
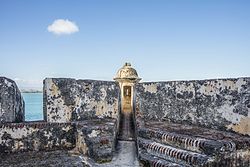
x=36, y=136
x=68, y=105
x=67, y=100
x=194, y=123
x=11, y=102
x=222, y=104
x=84, y=114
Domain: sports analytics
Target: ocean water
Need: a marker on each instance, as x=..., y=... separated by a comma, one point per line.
x=33, y=106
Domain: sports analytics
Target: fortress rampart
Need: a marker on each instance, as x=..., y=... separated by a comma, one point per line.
x=222, y=104
x=178, y=123
x=67, y=100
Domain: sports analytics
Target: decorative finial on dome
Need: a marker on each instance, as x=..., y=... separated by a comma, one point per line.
x=127, y=64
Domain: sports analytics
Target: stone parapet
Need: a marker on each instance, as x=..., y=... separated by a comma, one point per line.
x=11, y=102
x=67, y=100
x=222, y=104
x=36, y=136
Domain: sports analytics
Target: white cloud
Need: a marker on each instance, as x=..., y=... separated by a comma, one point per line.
x=61, y=27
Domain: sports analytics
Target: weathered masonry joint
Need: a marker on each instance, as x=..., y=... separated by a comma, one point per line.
x=196, y=123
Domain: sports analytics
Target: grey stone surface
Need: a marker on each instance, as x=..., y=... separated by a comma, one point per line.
x=97, y=138
x=219, y=104
x=36, y=136
x=125, y=156
x=11, y=102
x=59, y=158
x=179, y=123
x=173, y=154
x=68, y=100
x=185, y=123
x=162, y=143
x=149, y=160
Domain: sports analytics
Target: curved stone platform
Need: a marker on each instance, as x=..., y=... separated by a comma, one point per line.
x=170, y=144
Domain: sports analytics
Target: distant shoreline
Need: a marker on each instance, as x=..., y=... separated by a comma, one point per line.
x=35, y=91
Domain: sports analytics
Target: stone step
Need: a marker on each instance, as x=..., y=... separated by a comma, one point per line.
x=173, y=154
x=149, y=160
x=125, y=156
x=197, y=144
x=101, y=148
x=97, y=138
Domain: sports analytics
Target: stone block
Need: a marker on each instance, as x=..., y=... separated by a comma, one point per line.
x=68, y=100
x=11, y=102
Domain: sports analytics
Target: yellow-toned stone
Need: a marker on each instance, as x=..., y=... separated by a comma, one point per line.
x=242, y=127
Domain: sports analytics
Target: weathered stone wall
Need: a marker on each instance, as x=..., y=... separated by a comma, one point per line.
x=68, y=100
x=219, y=103
x=34, y=136
x=11, y=102
x=96, y=138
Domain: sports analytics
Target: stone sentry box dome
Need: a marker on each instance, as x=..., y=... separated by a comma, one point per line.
x=127, y=74
x=127, y=77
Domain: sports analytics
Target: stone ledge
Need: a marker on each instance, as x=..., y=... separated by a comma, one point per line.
x=148, y=160
x=59, y=158
x=241, y=141
x=173, y=154
x=198, y=144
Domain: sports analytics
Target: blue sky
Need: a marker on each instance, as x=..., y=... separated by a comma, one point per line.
x=163, y=39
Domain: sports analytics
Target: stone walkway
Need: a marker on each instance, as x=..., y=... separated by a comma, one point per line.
x=125, y=156
x=59, y=158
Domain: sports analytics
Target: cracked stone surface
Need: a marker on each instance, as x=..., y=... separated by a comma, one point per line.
x=125, y=156
x=41, y=159
x=11, y=102
x=222, y=104
x=67, y=99
x=205, y=116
